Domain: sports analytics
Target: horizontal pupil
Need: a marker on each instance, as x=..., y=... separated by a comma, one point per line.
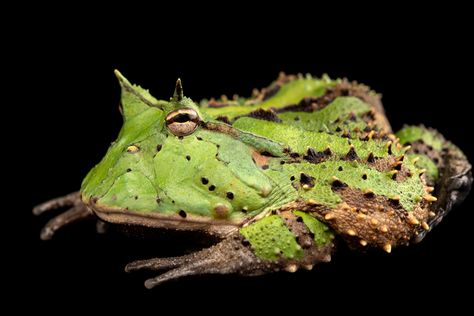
x=180, y=118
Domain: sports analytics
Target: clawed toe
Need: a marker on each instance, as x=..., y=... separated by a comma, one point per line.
x=74, y=214
x=63, y=201
x=77, y=211
x=157, y=263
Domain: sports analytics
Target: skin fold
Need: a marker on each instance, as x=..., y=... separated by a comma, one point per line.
x=277, y=178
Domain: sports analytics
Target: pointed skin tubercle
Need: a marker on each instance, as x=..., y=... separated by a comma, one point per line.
x=178, y=91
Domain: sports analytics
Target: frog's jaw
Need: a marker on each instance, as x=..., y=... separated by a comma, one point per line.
x=124, y=216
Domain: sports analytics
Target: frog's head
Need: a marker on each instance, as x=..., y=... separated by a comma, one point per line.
x=173, y=166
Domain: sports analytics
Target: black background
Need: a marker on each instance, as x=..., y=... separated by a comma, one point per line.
x=66, y=109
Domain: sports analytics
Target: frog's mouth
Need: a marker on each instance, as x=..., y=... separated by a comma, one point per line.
x=124, y=216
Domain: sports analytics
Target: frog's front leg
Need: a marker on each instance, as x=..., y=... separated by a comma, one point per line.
x=77, y=211
x=284, y=241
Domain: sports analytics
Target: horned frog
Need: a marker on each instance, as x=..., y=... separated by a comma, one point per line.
x=278, y=178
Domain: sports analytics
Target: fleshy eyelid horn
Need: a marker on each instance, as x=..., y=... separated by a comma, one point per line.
x=134, y=99
x=178, y=94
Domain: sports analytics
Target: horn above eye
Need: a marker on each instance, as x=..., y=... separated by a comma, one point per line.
x=182, y=122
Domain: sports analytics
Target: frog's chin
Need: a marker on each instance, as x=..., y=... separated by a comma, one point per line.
x=117, y=215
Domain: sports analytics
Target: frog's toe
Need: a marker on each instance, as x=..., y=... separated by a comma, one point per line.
x=156, y=264
x=74, y=214
x=63, y=201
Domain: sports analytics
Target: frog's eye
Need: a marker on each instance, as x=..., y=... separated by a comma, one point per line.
x=182, y=122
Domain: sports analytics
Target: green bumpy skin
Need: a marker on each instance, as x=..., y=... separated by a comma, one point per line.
x=322, y=234
x=305, y=156
x=271, y=239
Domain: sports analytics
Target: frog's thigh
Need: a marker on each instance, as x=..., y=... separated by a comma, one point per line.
x=365, y=219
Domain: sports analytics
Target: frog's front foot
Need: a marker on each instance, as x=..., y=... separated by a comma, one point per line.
x=231, y=255
x=77, y=211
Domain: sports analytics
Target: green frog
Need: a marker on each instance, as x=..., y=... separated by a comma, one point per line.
x=277, y=178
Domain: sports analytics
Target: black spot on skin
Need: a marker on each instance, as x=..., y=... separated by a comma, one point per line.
x=389, y=149
x=172, y=201
x=244, y=210
x=340, y=168
x=245, y=243
x=313, y=156
x=369, y=116
x=352, y=117
x=371, y=158
x=282, y=162
x=265, y=167
x=292, y=178
x=297, y=118
x=230, y=195
x=369, y=194
x=327, y=152
x=158, y=200
x=299, y=219
x=188, y=157
x=345, y=134
x=394, y=202
x=204, y=180
x=351, y=154
x=364, y=177
x=306, y=179
x=180, y=137
x=158, y=147
x=128, y=170
x=212, y=187
x=294, y=155
x=274, y=212
x=338, y=184
x=136, y=197
x=338, y=129
x=267, y=115
x=198, y=138
x=224, y=119
x=182, y=213
x=266, y=154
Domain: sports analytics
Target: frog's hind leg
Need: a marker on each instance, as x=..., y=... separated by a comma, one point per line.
x=77, y=211
x=228, y=256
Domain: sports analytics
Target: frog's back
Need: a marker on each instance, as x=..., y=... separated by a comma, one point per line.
x=307, y=103
x=343, y=164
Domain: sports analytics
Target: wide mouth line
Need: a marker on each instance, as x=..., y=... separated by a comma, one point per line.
x=123, y=215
